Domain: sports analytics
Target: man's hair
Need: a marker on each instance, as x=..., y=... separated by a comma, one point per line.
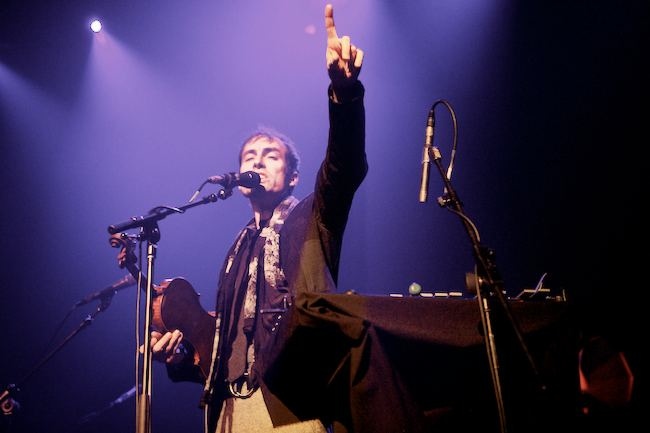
x=292, y=157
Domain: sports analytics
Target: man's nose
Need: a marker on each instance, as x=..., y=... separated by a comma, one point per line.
x=258, y=162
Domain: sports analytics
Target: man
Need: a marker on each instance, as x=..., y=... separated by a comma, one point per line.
x=288, y=247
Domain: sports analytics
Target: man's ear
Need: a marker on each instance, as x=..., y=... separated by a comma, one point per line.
x=293, y=180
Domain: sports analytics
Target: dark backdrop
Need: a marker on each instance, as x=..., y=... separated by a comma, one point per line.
x=550, y=99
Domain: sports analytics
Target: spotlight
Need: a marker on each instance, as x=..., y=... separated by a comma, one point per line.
x=96, y=26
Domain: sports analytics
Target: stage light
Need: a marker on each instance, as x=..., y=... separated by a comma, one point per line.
x=96, y=26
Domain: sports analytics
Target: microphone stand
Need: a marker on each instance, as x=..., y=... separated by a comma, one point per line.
x=151, y=233
x=488, y=286
x=6, y=397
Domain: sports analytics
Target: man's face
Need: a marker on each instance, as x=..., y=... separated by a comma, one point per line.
x=268, y=158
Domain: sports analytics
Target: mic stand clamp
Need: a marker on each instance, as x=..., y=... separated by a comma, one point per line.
x=224, y=193
x=444, y=200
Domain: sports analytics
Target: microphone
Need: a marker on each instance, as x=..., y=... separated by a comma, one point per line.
x=125, y=396
x=121, y=399
x=426, y=160
x=248, y=179
x=122, y=283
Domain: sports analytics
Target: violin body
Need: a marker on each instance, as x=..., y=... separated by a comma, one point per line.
x=177, y=306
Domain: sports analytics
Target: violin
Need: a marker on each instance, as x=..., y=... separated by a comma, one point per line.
x=175, y=305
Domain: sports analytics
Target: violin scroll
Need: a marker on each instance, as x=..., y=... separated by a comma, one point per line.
x=126, y=243
x=126, y=258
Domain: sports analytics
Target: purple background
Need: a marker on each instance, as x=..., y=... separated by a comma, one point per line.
x=550, y=99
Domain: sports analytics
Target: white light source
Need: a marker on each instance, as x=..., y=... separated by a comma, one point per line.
x=96, y=26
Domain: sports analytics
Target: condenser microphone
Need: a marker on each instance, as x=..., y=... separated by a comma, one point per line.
x=248, y=179
x=426, y=157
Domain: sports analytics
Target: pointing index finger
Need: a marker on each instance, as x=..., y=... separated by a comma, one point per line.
x=329, y=22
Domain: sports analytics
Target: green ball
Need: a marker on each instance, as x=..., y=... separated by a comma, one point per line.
x=415, y=289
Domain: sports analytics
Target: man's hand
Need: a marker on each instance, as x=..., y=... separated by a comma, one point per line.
x=343, y=59
x=166, y=347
